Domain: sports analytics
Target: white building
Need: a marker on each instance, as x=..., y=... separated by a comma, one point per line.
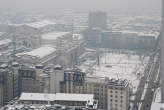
x=58, y=98
x=37, y=56
x=43, y=26
x=53, y=38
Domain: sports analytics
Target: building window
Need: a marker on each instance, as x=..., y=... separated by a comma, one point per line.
x=111, y=95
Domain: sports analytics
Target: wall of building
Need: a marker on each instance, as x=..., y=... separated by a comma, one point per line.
x=1, y=95
x=118, y=98
x=118, y=40
x=56, y=77
x=28, y=81
x=98, y=19
x=6, y=85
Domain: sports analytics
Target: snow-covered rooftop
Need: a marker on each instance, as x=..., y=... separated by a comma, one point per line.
x=40, y=52
x=57, y=96
x=54, y=35
x=74, y=97
x=37, y=96
x=40, y=24
x=6, y=41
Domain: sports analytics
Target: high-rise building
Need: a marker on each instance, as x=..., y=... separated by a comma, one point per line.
x=98, y=19
x=28, y=81
x=93, y=37
x=56, y=78
x=162, y=53
x=6, y=85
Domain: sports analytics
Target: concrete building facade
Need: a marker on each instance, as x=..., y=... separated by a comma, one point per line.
x=98, y=19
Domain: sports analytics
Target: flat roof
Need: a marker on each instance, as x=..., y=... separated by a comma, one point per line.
x=53, y=35
x=40, y=52
x=57, y=96
x=40, y=24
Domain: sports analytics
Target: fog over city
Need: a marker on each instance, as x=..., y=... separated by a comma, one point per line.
x=81, y=54
x=108, y=5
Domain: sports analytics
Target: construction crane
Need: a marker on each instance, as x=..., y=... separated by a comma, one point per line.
x=14, y=47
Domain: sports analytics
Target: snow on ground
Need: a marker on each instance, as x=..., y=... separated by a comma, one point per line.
x=157, y=96
x=117, y=65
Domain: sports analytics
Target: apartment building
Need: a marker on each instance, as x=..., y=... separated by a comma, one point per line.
x=111, y=94
x=118, y=94
x=6, y=85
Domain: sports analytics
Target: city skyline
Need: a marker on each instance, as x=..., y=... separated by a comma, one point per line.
x=107, y=5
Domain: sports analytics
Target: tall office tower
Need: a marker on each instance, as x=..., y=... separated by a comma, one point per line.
x=98, y=19
x=162, y=53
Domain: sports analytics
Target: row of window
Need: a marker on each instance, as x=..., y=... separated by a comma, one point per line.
x=116, y=96
x=116, y=105
x=116, y=92
x=116, y=100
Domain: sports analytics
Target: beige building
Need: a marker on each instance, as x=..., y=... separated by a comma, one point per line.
x=29, y=82
x=118, y=94
x=99, y=89
x=111, y=94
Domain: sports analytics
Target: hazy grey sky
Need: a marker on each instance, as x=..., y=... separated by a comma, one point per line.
x=128, y=5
